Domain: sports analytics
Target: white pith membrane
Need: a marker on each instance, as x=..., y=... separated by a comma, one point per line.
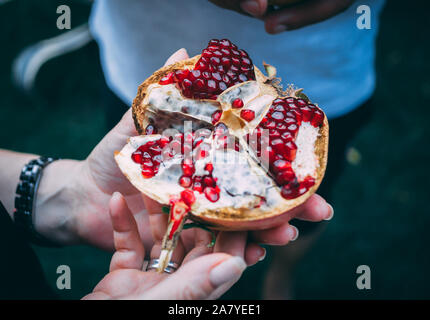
x=242, y=182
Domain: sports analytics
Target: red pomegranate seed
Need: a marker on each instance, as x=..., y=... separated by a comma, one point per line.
x=209, y=167
x=188, y=169
x=281, y=127
x=273, y=134
x=291, y=149
x=308, y=182
x=146, y=155
x=167, y=79
x=247, y=115
x=290, y=120
x=181, y=74
x=237, y=103
x=155, y=150
x=280, y=165
x=277, y=116
x=293, y=129
x=298, y=116
x=317, y=118
x=185, y=181
x=157, y=159
x=164, y=141
x=137, y=156
x=290, y=190
x=278, y=145
x=307, y=112
x=188, y=197
x=216, y=116
x=285, y=177
x=270, y=124
x=147, y=173
x=287, y=136
x=279, y=108
x=208, y=181
x=148, y=164
x=211, y=194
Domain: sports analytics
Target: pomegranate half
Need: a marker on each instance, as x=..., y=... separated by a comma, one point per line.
x=225, y=98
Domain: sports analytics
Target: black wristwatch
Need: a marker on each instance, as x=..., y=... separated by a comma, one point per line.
x=25, y=200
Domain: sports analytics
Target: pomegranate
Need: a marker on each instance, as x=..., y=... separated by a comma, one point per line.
x=234, y=155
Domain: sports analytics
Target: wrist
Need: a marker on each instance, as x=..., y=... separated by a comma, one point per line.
x=54, y=216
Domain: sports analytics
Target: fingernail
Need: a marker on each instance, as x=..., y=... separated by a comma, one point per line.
x=263, y=255
x=227, y=271
x=116, y=194
x=293, y=233
x=279, y=28
x=330, y=216
x=251, y=6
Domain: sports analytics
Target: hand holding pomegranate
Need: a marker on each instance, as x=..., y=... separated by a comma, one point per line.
x=287, y=14
x=201, y=275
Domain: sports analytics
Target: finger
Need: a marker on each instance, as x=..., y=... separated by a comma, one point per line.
x=202, y=239
x=277, y=236
x=207, y=277
x=255, y=8
x=129, y=250
x=254, y=253
x=179, y=55
x=303, y=14
x=314, y=209
x=231, y=242
x=137, y=207
x=158, y=222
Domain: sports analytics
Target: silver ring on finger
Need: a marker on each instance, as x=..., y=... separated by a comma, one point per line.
x=154, y=264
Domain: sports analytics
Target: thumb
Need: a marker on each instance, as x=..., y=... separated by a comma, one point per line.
x=179, y=55
x=207, y=277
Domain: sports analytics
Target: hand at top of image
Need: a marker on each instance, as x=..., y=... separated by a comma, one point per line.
x=284, y=15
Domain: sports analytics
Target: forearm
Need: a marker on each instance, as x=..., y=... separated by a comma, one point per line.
x=56, y=198
x=11, y=165
x=57, y=201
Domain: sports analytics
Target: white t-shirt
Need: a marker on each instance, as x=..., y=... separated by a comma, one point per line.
x=332, y=60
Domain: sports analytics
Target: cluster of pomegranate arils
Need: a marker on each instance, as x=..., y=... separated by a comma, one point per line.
x=282, y=122
x=149, y=156
x=152, y=153
x=203, y=184
x=220, y=66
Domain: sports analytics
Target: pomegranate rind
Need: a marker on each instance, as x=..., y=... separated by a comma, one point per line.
x=229, y=218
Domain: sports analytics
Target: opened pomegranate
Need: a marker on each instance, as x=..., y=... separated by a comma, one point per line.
x=223, y=144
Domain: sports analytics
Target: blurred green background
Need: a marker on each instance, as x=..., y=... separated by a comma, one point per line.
x=381, y=202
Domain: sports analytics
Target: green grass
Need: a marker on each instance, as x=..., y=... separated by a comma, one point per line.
x=381, y=207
